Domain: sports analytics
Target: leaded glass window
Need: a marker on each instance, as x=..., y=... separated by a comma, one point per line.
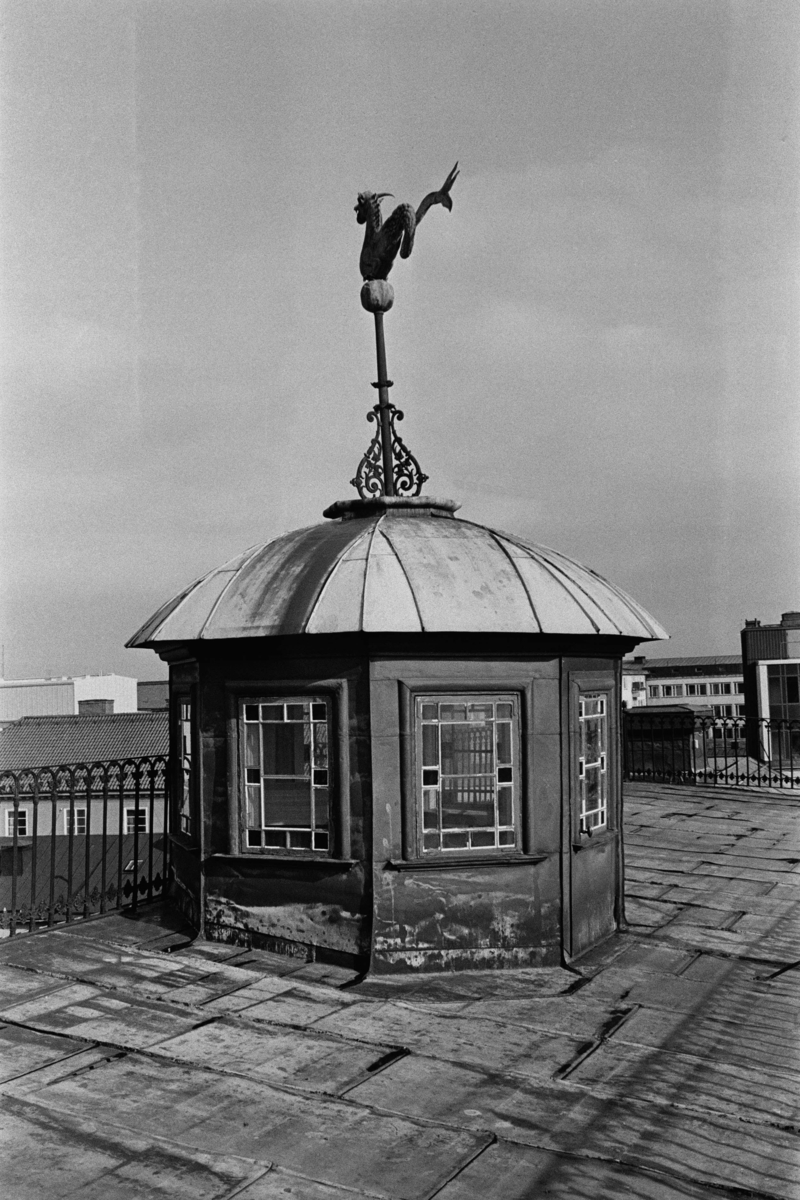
x=185, y=751
x=287, y=773
x=593, y=761
x=467, y=771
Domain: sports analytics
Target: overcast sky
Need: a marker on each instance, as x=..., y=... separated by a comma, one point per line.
x=597, y=350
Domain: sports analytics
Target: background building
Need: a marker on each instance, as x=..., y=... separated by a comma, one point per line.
x=153, y=695
x=37, y=743
x=771, y=663
x=83, y=694
x=711, y=685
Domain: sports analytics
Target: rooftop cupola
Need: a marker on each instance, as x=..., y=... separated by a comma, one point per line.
x=395, y=733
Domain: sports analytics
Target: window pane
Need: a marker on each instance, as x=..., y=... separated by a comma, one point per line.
x=252, y=775
x=321, y=807
x=430, y=777
x=455, y=841
x=271, y=712
x=320, y=734
x=480, y=712
x=252, y=746
x=320, y=779
x=505, y=806
x=275, y=839
x=430, y=712
x=467, y=802
x=505, y=711
x=467, y=749
x=482, y=838
x=251, y=712
x=300, y=839
x=430, y=745
x=592, y=741
x=296, y=712
x=504, y=775
x=430, y=841
x=503, y=742
x=319, y=712
x=452, y=712
x=285, y=750
x=253, y=807
x=254, y=837
x=320, y=841
x=506, y=837
x=287, y=802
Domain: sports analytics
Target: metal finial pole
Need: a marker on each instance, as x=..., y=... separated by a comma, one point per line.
x=388, y=468
x=384, y=383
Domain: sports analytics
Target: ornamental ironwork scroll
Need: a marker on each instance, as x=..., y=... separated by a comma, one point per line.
x=407, y=476
x=388, y=468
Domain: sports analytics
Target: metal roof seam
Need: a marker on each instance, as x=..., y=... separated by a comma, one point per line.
x=639, y=613
x=551, y=569
x=589, y=596
x=496, y=539
x=329, y=576
x=166, y=610
x=373, y=531
x=402, y=566
x=256, y=551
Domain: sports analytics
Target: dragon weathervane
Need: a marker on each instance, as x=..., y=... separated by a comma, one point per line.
x=388, y=468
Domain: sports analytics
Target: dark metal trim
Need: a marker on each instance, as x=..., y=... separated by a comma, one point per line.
x=465, y=864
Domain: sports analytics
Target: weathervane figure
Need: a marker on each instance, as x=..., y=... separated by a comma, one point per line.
x=388, y=468
x=383, y=239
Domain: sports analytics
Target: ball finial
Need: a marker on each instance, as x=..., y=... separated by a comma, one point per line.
x=377, y=295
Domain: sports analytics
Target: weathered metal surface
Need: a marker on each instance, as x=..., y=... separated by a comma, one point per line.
x=47, y=1153
x=654, y=1070
x=302, y=924
x=217, y=1113
x=491, y=916
x=450, y=575
x=312, y=1062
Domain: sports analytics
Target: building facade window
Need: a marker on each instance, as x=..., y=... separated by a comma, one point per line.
x=467, y=772
x=136, y=820
x=654, y=691
x=286, y=771
x=18, y=819
x=593, y=761
x=78, y=825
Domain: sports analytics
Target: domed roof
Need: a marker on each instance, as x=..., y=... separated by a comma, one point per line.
x=397, y=566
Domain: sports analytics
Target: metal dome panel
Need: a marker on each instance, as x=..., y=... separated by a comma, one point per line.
x=392, y=570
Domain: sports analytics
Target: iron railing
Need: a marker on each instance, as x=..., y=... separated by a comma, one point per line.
x=684, y=747
x=80, y=840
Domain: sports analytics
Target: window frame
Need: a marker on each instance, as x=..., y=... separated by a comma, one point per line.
x=12, y=822
x=446, y=854
x=78, y=813
x=130, y=813
x=581, y=685
x=522, y=687
x=335, y=693
x=184, y=693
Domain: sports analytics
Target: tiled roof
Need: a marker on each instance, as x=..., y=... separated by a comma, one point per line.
x=55, y=741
